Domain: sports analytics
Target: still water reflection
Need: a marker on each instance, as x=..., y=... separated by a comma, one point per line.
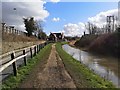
x=106, y=67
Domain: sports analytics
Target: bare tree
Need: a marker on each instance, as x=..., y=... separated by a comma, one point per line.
x=92, y=29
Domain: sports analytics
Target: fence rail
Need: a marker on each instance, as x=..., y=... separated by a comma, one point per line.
x=9, y=63
x=8, y=53
x=11, y=29
x=13, y=60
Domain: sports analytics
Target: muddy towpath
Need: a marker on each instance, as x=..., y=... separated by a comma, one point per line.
x=52, y=75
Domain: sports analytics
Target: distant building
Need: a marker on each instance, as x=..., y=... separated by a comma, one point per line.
x=56, y=37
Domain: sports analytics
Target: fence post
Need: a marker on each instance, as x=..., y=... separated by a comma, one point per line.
x=25, y=59
x=31, y=52
x=14, y=64
x=38, y=48
x=34, y=50
x=43, y=45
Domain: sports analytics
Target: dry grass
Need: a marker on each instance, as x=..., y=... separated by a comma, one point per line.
x=106, y=44
x=12, y=42
x=85, y=41
x=8, y=37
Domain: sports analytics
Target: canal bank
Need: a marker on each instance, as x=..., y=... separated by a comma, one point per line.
x=82, y=76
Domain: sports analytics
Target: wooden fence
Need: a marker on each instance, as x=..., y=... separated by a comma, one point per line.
x=11, y=29
x=36, y=49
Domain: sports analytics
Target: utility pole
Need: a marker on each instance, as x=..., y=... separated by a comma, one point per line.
x=110, y=23
x=113, y=23
x=118, y=13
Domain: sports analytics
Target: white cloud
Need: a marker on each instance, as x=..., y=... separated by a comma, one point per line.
x=56, y=19
x=55, y=1
x=23, y=9
x=100, y=19
x=22, y=0
x=74, y=29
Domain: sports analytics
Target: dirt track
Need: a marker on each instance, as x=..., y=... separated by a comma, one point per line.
x=53, y=74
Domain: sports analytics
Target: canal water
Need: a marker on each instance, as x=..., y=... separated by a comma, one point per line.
x=106, y=67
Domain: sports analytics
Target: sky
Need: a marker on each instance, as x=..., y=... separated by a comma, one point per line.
x=73, y=13
x=58, y=16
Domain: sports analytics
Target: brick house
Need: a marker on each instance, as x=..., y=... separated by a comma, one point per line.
x=56, y=37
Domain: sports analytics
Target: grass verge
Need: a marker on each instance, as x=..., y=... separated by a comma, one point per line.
x=82, y=76
x=13, y=82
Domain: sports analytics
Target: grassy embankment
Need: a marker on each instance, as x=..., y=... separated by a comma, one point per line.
x=12, y=42
x=8, y=37
x=105, y=44
x=82, y=76
x=13, y=82
x=85, y=41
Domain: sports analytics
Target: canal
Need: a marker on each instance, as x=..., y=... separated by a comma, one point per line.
x=106, y=67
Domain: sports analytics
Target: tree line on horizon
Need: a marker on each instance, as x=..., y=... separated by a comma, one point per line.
x=36, y=28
